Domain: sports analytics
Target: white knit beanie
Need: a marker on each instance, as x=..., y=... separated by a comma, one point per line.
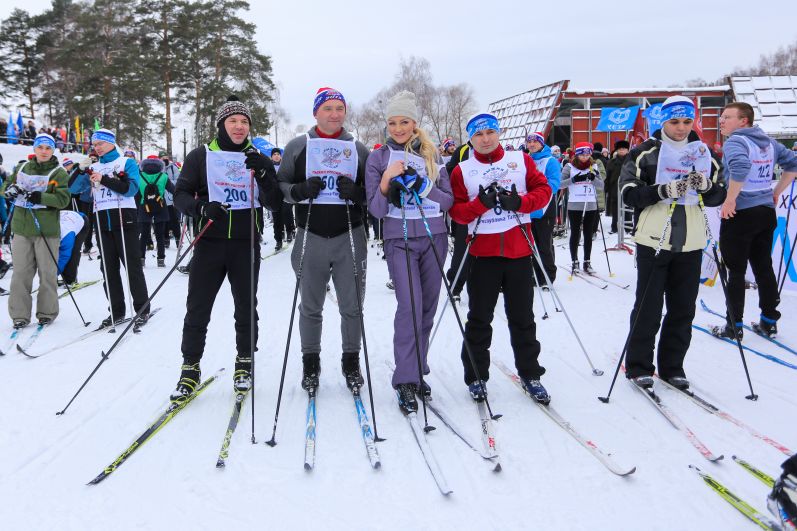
x=403, y=104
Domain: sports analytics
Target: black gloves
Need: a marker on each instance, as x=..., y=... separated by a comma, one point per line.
x=35, y=198
x=309, y=189
x=488, y=197
x=348, y=190
x=213, y=210
x=582, y=177
x=510, y=200
x=590, y=176
x=395, y=191
x=258, y=162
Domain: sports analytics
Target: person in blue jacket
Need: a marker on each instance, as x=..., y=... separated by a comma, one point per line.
x=114, y=182
x=72, y=236
x=543, y=220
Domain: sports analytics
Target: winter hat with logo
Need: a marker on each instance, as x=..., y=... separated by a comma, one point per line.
x=232, y=106
x=44, y=139
x=325, y=94
x=402, y=104
x=481, y=122
x=104, y=135
x=677, y=107
x=584, y=148
x=536, y=137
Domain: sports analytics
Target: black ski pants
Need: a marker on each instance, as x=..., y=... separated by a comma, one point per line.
x=488, y=275
x=283, y=221
x=160, y=237
x=88, y=210
x=747, y=238
x=674, y=279
x=460, y=235
x=589, y=220
x=172, y=227
x=542, y=230
x=113, y=255
x=213, y=260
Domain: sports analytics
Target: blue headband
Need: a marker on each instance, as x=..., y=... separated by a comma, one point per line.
x=44, y=139
x=481, y=122
x=104, y=135
x=677, y=109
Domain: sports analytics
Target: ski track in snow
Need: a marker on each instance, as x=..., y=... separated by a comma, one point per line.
x=548, y=481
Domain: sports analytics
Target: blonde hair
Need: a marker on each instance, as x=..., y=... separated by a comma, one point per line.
x=428, y=152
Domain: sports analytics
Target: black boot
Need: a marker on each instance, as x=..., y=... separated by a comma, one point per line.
x=588, y=268
x=190, y=375
x=311, y=370
x=351, y=371
x=406, y=398
x=766, y=327
x=242, y=377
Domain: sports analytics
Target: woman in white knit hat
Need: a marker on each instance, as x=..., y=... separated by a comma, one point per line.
x=409, y=164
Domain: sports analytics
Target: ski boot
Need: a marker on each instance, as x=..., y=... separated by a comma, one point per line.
x=766, y=327
x=350, y=365
x=289, y=236
x=574, y=268
x=536, y=390
x=189, y=380
x=679, y=382
x=645, y=381
x=20, y=323
x=161, y=262
x=478, y=390
x=426, y=391
x=311, y=370
x=782, y=501
x=726, y=331
x=390, y=285
x=278, y=245
x=242, y=377
x=44, y=321
x=588, y=268
x=141, y=320
x=406, y=398
x=4, y=267
x=107, y=323
x=183, y=269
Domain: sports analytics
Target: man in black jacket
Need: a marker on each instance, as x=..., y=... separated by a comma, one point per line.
x=215, y=188
x=673, y=166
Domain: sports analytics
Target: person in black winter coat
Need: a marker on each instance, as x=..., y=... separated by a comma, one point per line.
x=215, y=187
x=613, y=169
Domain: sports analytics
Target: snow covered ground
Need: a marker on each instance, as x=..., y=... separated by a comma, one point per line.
x=548, y=481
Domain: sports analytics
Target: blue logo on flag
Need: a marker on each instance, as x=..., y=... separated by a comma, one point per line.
x=654, y=117
x=617, y=118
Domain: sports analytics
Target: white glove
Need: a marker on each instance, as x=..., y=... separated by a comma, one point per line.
x=674, y=189
x=83, y=161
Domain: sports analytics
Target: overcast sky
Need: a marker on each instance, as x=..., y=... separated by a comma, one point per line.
x=502, y=48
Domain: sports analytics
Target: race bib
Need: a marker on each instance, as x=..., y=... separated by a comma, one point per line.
x=328, y=159
x=229, y=181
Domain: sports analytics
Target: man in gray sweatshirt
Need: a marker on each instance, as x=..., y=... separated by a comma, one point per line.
x=748, y=214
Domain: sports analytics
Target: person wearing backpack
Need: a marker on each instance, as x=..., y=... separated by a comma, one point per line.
x=152, y=206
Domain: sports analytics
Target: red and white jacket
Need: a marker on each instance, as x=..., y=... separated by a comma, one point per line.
x=510, y=243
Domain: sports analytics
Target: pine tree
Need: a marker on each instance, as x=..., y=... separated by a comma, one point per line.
x=21, y=58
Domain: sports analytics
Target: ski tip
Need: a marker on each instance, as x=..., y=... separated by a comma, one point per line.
x=497, y=468
x=97, y=479
x=448, y=492
x=717, y=459
x=629, y=472
x=377, y=465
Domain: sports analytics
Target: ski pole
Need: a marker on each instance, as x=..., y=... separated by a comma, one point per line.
x=427, y=428
x=605, y=399
x=144, y=307
x=360, y=294
x=273, y=441
x=103, y=262
x=605, y=250
x=782, y=248
x=723, y=281
x=450, y=294
x=555, y=294
x=788, y=263
x=252, y=291
x=50, y=251
x=456, y=278
x=536, y=256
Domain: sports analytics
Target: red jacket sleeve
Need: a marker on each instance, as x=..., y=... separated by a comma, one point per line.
x=538, y=191
x=463, y=211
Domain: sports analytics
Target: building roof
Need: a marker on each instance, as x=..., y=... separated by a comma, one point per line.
x=527, y=112
x=774, y=100
x=645, y=92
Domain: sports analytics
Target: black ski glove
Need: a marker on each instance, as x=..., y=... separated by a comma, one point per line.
x=258, y=162
x=395, y=191
x=35, y=198
x=590, y=176
x=212, y=210
x=510, y=200
x=580, y=178
x=488, y=197
x=348, y=190
x=309, y=189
